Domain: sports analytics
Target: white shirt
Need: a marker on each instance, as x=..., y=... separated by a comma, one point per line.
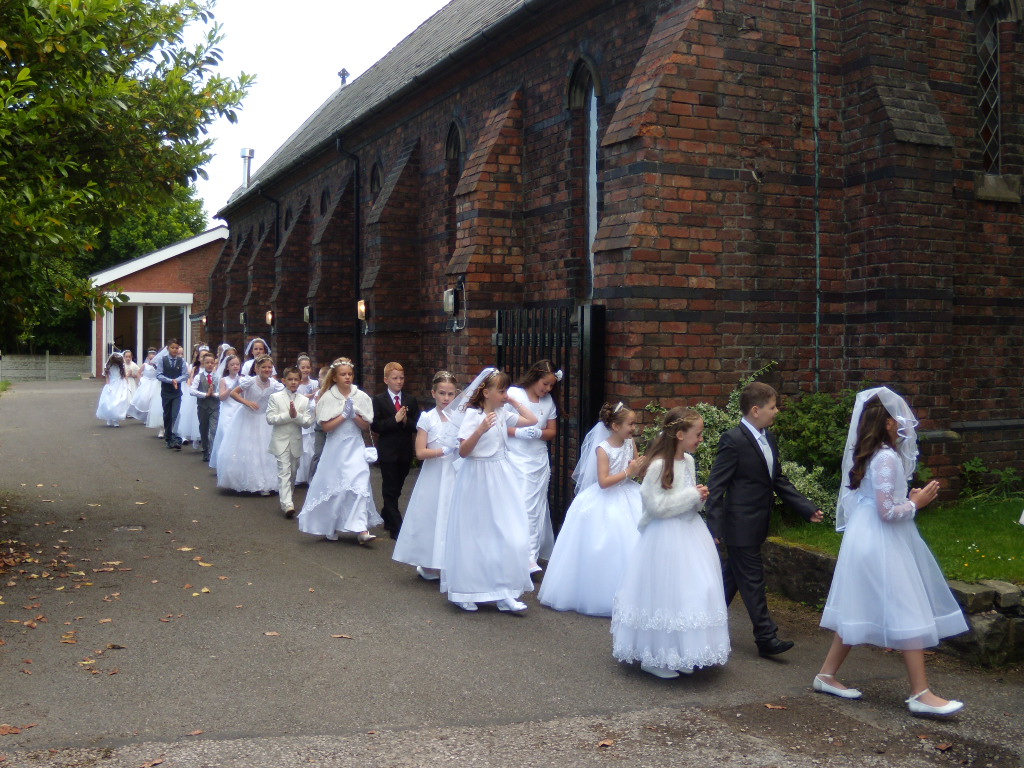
x=762, y=441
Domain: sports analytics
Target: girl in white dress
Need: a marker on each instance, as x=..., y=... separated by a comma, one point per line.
x=670, y=614
x=309, y=387
x=244, y=463
x=487, y=544
x=148, y=389
x=131, y=375
x=256, y=347
x=887, y=589
x=421, y=540
x=187, y=425
x=339, y=499
x=114, y=398
x=528, y=452
x=599, y=533
x=229, y=407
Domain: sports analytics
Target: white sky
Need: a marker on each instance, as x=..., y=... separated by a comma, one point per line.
x=295, y=49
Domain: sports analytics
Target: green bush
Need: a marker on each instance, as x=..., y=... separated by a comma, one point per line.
x=812, y=432
x=978, y=481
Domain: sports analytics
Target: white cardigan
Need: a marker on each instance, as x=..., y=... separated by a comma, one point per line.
x=681, y=498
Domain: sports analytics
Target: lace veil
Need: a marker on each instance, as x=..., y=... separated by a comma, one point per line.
x=455, y=411
x=585, y=473
x=906, y=447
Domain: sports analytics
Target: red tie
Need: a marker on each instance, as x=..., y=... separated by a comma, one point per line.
x=209, y=380
x=398, y=403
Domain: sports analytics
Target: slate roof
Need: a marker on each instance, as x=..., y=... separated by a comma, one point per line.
x=438, y=42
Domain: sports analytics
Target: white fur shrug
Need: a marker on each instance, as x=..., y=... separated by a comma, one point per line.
x=680, y=499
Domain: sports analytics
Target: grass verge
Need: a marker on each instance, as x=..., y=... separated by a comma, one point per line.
x=972, y=539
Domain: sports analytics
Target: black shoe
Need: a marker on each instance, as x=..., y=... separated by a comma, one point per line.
x=177, y=446
x=170, y=445
x=206, y=458
x=773, y=647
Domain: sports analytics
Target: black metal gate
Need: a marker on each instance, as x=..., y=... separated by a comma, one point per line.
x=573, y=339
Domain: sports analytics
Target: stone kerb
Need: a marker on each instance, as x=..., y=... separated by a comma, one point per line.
x=994, y=609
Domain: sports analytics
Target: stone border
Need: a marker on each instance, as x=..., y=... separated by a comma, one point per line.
x=994, y=609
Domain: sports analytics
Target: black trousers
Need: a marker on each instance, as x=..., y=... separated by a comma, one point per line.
x=743, y=572
x=171, y=402
x=392, y=478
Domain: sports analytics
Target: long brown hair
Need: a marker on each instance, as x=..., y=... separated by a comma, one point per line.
x=664, y=445
x=872, y=434
x=539, y=370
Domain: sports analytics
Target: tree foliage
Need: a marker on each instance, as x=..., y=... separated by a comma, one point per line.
x=103, y=106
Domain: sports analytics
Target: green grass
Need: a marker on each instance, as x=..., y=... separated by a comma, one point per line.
x=4, y=386
x=972, y=539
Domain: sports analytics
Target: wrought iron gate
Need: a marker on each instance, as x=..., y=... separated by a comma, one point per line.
x=573, y=339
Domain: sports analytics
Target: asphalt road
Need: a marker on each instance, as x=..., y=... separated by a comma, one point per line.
x=166, y=620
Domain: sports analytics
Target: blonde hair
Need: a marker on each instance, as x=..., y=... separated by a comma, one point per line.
x=328, y=378
x=498, y=379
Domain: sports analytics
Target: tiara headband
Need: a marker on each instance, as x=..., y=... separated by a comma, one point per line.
x=618, y=407
x=342, y=361
x=559, y=375
x=262, y=359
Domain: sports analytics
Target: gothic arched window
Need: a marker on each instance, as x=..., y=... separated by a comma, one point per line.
x=986, y=23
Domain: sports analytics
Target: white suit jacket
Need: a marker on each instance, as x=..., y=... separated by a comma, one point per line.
x=287, y=434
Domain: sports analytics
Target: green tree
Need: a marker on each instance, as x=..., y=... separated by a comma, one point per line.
x=103, y=106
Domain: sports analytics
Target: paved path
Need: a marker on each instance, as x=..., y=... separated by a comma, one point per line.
x=207, y=631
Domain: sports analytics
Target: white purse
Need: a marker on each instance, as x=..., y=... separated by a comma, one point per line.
x=370, y=452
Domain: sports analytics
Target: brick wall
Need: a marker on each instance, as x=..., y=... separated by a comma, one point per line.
x=731, y=233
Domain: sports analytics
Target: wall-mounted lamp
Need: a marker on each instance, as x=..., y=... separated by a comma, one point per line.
x=203, y=320
x=307, y=314
x=241, y=319
x=361, y=310
x=454, y=304
x=270, y=317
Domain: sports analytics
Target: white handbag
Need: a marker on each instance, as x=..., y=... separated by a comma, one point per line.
x=370, y=452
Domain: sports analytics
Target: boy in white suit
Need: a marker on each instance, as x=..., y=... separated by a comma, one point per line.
x=288, y=412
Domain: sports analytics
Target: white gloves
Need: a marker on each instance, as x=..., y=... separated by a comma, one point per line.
x=348, y=409
x=448, y=450
x=528, y=433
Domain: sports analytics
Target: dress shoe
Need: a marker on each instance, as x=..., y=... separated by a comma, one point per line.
x=918, y=708
x=514, y=606
x=467, y=606
x=821, y=686
x=663, y=672
x=427, y=575
x=773, y=647
x=365, y=537
x=289, y=513
x=206, y=457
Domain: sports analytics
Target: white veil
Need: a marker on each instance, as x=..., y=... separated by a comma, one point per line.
x=585, y=473
x=455, y=411
x=906, y=447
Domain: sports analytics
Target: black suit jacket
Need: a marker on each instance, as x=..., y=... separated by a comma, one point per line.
x=742, y=491
x=395, y=441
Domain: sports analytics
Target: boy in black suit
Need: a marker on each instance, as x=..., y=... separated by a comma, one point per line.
x=394, y=420
x=745, y=477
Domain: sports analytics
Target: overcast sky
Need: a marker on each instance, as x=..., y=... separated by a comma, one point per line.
x=295, y=49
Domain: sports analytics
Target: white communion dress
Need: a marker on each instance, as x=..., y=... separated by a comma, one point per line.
x=670, y=612
x=529, y=457
x=487, y=545
x=887, y=589
x=114, y=398
x=243, y=462
x=146, y=405
x=592, y=549
x=229, y=408
x=339, y=499
x=421, y=540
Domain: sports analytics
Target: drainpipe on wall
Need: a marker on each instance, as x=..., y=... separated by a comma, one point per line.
x=357, y=261
x=817, y=195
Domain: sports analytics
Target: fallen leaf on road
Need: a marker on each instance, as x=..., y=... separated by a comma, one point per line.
x=944, y=747
x=113, y=671
x=48, y=501
x=94, y=505
x=115, y=647
x=272, y=634
x=185, y=549
x=606, y=743
x=775, y=706
x=8, y=730
x=30, y=624
x=27, y=671
x=312, y=590
x=195, y=487
x=346, y=637
x=140, y=503
x=205, y=590
x=152, y=763
x=105, y=621
x=223, y=578
x=205, y=565
x=196, y=732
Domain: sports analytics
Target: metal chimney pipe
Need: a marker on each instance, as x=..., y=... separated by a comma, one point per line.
x=247, y=155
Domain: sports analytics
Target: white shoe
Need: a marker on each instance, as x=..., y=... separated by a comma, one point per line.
x=508, y=604
x=427, y=575
x=918, y=708
x=467, y=606
x=264, y=493
x=662, y=672
x=534, y=568
x=365, y=537
x=844, y=693
x=116, y=423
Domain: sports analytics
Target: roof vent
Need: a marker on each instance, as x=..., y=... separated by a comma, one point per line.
x=247, y=155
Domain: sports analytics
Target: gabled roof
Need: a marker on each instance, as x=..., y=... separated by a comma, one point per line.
x=439, y=42
x=114, y=274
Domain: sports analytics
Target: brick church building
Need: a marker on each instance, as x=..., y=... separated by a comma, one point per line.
x=663, y=196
